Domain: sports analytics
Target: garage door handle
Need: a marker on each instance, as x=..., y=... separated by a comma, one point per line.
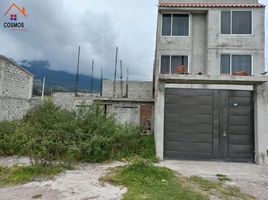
x=224, y=133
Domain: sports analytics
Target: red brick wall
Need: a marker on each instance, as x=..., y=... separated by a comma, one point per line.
x=146, y=113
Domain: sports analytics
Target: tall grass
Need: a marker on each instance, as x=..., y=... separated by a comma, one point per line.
x=48, y=134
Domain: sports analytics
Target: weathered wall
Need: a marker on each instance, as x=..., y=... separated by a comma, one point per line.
x=261, y=120
x=206, y=58
x=236, y=44
x=131, y=112
x=136, y=89
x=15, y=90
x=15, y=82
x=13, y=108
x=68, y=100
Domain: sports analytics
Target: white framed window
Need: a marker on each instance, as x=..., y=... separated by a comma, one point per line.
x=233, y=64
x=175, y=24
x=236, y=22
x=174, y=64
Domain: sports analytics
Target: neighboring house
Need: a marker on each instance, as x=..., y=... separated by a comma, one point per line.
x=132, y=102
x=16, y=86
x=211, y=99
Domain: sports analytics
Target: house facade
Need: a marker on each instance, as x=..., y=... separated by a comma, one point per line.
x=16, y=86
x=211, y=99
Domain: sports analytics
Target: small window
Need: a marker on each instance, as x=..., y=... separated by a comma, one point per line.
x=236, y=22
x=240, y=65
x=225, y=64
x=225, y=22
x=165, y=64
x=174, y=64
x=175, y=24
x=166, y=24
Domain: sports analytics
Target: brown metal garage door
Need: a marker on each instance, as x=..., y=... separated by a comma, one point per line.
x=208, y=124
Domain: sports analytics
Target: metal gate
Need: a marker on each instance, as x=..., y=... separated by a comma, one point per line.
x=208, y=124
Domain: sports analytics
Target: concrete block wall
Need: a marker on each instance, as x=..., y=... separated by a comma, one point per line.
x=13, y=108
x=15, y=82
x=136, y=89
x=135, y=113
x=68, y=100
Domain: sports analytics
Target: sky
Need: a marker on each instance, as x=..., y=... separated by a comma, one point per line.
x=55, y=29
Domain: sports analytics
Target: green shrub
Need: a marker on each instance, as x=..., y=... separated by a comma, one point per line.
x=8, y=143
x=48, y=133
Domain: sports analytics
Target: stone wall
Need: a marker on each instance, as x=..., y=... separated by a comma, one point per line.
x=136, y=89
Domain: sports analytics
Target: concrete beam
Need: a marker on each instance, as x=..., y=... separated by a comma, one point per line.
x=202, y=79
x=159, y=121
x=261, y=124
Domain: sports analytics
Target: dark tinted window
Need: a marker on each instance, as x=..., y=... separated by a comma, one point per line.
x=225, y=64
x=165, y=63
x=242, y=64
x=166, y=24
x=225, y=22
x=241, y=22
x=180, y=25
x=179, y=64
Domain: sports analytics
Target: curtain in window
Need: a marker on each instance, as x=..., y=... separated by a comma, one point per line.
x=225, y=22
x=166, y=24
x=165, y=63
x=179, y=64
x=241, y=63
x=180, y=26
x=225, y=64
x=241, y=21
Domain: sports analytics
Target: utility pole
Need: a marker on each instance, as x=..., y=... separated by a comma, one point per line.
x=77, y=73
x=101, y=79
x=121, y=79
x=127, y=84
x=43, y=87
x=115, y=68
x=92, y=74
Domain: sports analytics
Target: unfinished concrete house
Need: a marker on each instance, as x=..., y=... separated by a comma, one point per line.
x=16, y=86
x=131, y=102
x=211, y=97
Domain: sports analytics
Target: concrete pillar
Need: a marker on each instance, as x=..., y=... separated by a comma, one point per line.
x=261, y=124
x=159, y=120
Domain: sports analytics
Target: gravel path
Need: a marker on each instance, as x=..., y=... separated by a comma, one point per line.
x=79, y=184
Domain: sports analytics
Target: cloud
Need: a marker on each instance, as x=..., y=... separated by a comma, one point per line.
x=56, y=28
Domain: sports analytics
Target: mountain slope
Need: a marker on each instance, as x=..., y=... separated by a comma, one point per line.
x=59, y=79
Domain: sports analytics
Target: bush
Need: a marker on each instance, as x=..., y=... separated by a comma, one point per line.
x=48, y=134
x=9, y=145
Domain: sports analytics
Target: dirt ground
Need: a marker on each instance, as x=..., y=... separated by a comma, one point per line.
x=251, y=178
x=83, y=184
x=79, y=184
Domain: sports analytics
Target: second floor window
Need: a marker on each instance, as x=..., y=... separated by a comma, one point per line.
x=236, y=22
x=240, y=65
x=174, y=64
x=175, y=24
